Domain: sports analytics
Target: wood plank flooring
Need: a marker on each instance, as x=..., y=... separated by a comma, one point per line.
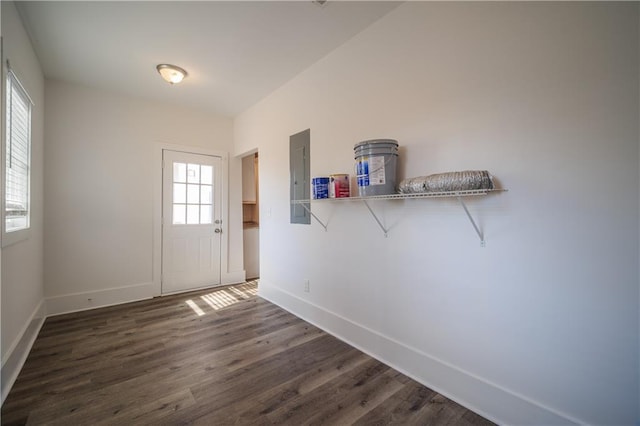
x=214, y=357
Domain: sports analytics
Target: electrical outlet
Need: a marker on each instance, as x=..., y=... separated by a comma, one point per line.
x=307, y=286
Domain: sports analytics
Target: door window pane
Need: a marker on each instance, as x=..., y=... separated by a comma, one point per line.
x=193, y=173
x=179, y=193
x=193, y=214
x=205, y=214
x=179, y=172
x=179, y=214
x=193, y=194
x=206, y=174
x=206, y=194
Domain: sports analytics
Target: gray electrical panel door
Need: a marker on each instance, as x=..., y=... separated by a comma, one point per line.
x=300, y=182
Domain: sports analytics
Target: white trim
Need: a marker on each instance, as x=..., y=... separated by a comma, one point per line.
x=38, y=312
x=157, y=207
x=13, y=237
x=20, y=85
x=204, y=287
x=15, y=357
x=490, y=400
x=233, y=277
x=75, y=302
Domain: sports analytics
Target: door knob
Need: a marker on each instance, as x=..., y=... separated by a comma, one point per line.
x=217, y=230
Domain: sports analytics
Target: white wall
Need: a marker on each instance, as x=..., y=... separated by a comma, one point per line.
x=541, y=325
x=99, y=182
x=22, y=282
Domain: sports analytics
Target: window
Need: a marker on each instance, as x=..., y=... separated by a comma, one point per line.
x=17, y=156
x=192, y=194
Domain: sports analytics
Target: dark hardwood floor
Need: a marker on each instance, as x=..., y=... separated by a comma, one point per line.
x=215, y=357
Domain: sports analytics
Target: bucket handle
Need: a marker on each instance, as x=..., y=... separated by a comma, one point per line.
x=355, y=166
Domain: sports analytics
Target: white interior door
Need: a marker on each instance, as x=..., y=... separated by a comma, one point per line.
x=191, y=221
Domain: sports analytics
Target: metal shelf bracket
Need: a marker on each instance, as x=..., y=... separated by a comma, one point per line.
x=473, y=222
x=304, y=206
x=385, y=230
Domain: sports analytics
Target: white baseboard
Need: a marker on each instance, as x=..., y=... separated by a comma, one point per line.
x=233, y=277
x=17, y=354
x=75, y=302
x=479, y=395
x=487, y=399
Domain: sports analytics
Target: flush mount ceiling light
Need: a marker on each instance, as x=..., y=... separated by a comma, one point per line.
x=171, y=73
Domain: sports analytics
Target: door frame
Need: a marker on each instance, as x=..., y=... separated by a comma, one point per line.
x=157, y=208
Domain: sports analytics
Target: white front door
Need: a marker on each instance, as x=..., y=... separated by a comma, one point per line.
x=191, y=221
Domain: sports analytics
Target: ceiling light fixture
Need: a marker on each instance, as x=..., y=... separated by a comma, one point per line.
x=171, y=73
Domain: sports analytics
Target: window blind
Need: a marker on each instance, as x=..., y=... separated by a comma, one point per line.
x=18, y=147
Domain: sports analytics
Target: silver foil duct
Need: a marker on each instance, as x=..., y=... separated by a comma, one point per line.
x=450, y=181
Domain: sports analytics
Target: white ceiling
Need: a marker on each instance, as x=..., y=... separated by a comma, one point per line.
x=236, y=53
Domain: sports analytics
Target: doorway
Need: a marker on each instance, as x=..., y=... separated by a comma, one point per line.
x=251, y=215
x=191, y=220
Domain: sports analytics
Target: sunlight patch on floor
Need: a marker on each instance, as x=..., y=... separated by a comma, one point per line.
x=224, y=297
x=195, y=307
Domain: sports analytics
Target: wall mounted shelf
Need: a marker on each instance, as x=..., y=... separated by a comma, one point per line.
x=459, y=195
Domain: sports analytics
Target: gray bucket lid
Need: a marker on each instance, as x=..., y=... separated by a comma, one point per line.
x=384, y=142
